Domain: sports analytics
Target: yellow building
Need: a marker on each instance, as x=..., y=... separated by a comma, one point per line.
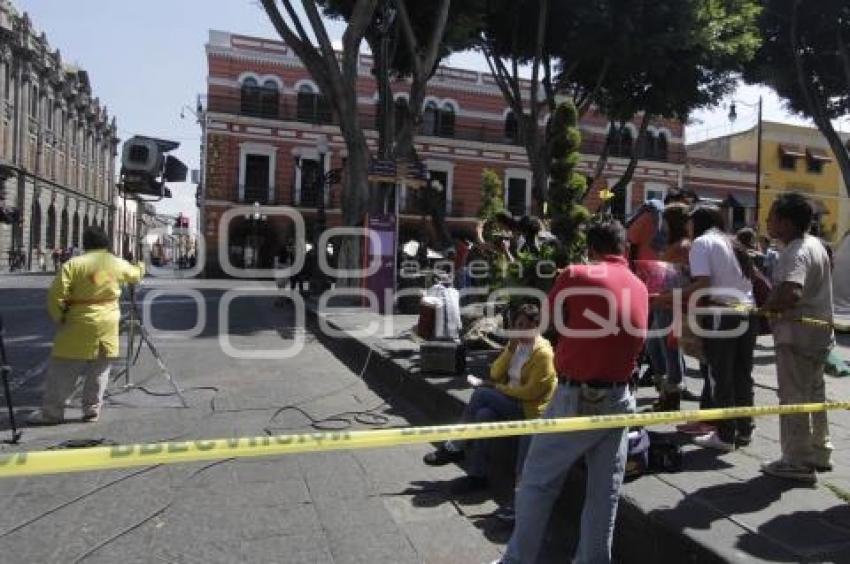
x=794, y=158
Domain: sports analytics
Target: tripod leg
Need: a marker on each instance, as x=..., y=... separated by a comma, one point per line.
x=161, y=363
x=4, y=371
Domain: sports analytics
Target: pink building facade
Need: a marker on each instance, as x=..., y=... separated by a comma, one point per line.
x=264, y=112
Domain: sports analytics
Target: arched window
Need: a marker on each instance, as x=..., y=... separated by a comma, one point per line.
x=36, y=224
x=51, y=227
x=269, y=98
x=430, y=117
x=312, y=107
x=620, y=141
x=661, y=147
x=626, y=143
x=250, y=97
x=86, y=222
x=447, y=121
x=75, y=230
x=511, y=128
x=63, y=230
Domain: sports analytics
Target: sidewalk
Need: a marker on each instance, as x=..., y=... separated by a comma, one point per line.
x=720, y=508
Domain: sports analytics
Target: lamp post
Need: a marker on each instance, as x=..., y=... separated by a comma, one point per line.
x=324, y=180
x=254, y=218
x=733, y=115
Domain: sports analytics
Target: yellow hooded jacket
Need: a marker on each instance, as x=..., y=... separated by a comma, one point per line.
x=537, y=378
x=83, y=300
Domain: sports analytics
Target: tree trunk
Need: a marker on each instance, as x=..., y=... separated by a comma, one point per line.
x=637, y=150
x=816, y=106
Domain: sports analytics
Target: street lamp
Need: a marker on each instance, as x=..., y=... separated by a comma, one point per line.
x=254, y=218
x=326, y=178
x=733, y=115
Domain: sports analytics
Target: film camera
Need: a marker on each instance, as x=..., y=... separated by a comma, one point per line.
x=145, y=167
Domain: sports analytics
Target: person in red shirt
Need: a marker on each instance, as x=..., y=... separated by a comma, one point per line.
x=600, y=312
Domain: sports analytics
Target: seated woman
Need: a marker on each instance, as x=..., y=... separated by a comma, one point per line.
x=522, y=381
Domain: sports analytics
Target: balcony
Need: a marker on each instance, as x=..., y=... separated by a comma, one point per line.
x=285, y=110
x=258, y=194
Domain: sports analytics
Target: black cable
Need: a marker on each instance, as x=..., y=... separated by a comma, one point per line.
x=75, y=500
x=342, y=420
x=150, y=516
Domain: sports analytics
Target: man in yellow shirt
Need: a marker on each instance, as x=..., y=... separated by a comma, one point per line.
x=83, y=301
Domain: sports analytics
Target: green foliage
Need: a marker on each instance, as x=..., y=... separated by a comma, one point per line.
x=665, y=57
x=805, y=57
x=492, y=195
x=567, y=187
x=459, y=34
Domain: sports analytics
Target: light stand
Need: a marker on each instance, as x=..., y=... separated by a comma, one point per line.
x=5, y=371
x=135, y=325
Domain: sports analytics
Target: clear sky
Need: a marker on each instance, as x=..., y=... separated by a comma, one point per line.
x=146, y=60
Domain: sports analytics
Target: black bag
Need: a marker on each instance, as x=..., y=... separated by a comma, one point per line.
x=665, y=454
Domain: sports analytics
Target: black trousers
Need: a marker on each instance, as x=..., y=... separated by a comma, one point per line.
x=730, y=366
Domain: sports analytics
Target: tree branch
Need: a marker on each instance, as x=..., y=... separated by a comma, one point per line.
x=433, y=49
x=304, y=49
x=409, y=36
x=589, y=97
x=843, y=55
x=296, y=21
x=637, y=150
x=503, y=79
x=318, y=26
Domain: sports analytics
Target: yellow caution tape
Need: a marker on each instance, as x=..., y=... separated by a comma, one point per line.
x=126, y=456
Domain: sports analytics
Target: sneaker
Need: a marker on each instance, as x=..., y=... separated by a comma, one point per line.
x=505, y=513
x=668, y=401
x=820, y=468
x=782, y=469
x=443, y=456
x=696, y=428
x=688, y=395
x=469, y=484
x=91, y=416
x=713, y=440
x=743, y=440
x=38, y=418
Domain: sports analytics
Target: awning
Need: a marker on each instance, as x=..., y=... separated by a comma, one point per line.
x=794, y=151
x=740, y=200
x=817, y=154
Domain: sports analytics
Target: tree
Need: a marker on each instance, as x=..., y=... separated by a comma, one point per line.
x=337, y=79
x=408, y=39
x=805, y=57
x=658, y=58
x=567, y=186
x=492, y=195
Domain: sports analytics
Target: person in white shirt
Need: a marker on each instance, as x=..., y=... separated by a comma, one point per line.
x=522, y=381
x=448, y=322
x=721, y=268
x=802, y=288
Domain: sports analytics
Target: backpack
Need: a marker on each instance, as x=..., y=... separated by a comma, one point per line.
x=651, y=452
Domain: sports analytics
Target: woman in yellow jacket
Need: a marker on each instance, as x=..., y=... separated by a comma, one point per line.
x=522, y=381
x=83, y=301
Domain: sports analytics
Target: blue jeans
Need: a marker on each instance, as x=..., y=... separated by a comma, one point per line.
x=550, y=457
x=486, y=405
x=730, y=370
x=664, y=359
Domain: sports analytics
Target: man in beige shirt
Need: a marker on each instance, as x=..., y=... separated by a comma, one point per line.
x=802, y=289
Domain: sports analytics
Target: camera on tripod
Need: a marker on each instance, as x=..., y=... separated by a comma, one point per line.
x=145, y=166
